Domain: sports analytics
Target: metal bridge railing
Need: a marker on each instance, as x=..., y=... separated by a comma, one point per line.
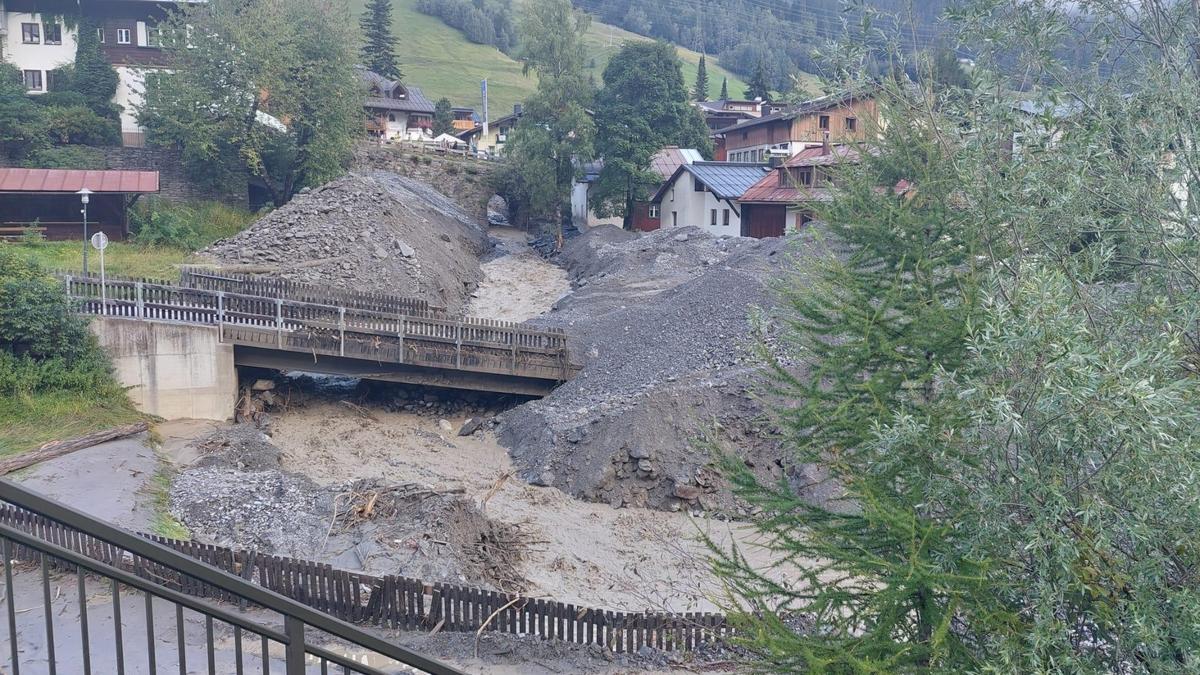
x=270, y=633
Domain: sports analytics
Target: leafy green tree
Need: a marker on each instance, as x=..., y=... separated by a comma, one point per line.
x=556, y=128
x=724, y=88
x=443, y=117
x=700, y=92
x=265, y=88
x=378, y=52
x=646, y=107
x=757, y=86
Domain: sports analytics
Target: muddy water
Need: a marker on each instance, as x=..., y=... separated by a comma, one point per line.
x=518, y=283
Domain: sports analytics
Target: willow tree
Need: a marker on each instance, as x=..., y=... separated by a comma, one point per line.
x=264, y=88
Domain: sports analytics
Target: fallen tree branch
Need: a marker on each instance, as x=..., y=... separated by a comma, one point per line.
x=59, y=448
x=479, y=633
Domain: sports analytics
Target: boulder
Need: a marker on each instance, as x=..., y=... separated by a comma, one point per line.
x=470, y=426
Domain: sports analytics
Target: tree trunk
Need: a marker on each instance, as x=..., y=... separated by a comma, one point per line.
x=59, y=448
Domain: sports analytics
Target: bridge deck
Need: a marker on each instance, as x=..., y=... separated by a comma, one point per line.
x=266, y=324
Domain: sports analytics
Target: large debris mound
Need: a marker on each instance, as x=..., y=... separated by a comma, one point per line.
x=374, y=231
x=238, y=494
x=662, y=324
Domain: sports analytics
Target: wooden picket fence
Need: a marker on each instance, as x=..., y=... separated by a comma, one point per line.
x=275, y=287
x=390, y=601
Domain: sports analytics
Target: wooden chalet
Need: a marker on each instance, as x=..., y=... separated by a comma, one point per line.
x=783, y=200
x=841, y=118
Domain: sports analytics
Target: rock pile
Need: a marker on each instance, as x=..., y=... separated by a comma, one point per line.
x=662, y=325
x=376, y=231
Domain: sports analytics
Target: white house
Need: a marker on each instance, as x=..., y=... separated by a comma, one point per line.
x=36, y=44
x=36, y=39
x=705, y=194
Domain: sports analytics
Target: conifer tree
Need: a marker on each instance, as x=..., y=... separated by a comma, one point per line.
x=700, y=93
x=757, y=87
x=443, y=117
x=724, y=88
x=875, y=325
x=378, y=53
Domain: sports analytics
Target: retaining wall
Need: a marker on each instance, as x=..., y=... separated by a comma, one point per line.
x=174, y=371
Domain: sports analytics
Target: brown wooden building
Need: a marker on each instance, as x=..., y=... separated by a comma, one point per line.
x=783, y=200
x=843, y=118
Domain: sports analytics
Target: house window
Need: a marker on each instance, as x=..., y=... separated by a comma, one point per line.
x=100, y=35
x=805, y=176
x=31, y=33
x=123, y=36
x=391, y=117
x=153, y=36
x=823, y=122
x=52, y=80
x=674, y=218
x=851, y=124
x=33, y=80
x=52, y=33
x=697, y=186
x=725, y=218
x=712, y=219
x=654, y=210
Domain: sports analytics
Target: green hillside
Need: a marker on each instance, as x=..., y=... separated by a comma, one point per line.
x=439, y=60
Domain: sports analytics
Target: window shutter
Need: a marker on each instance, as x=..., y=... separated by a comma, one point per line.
x=141, y=33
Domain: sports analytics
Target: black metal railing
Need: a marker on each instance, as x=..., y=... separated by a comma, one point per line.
x=256, y=630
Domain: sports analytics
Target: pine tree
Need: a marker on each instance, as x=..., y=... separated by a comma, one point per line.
x=875, y=326
x=378, y=53
x=757, y=87
x=724, y=88
x=700, y=93
x=443, y=117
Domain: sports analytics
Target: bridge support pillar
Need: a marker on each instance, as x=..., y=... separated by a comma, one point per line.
x=174, y=371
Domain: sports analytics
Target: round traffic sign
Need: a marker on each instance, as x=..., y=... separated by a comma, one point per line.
x=99, y=241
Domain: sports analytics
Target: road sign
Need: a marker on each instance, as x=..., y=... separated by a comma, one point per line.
x=99, y=241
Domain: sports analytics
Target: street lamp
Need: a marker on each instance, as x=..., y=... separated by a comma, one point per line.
x=84, y=197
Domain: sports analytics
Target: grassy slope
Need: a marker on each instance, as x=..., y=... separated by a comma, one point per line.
x=439, y=60
x=28, y=421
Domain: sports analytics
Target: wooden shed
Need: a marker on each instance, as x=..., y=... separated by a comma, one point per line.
x=46, y=199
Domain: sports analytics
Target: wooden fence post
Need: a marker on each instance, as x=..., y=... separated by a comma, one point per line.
x=342, y=330
x=279, y=320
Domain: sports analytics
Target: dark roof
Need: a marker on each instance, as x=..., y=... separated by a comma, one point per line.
x=799, y=110
x=817, y=156
x=726, y=180
x=413, y=101
x=72, y=180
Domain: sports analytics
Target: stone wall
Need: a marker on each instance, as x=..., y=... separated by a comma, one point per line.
x=173, y=371
x=174, y=183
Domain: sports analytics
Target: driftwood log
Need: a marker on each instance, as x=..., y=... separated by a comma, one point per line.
x=59, y=448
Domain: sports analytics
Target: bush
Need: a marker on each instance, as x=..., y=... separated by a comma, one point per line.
x=43, y=344
x=79, y=124
x=67, y=157
x=165, y=227
x=189, y=226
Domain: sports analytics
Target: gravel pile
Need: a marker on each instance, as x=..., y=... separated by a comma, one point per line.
x=662, y=325
x=374, y=231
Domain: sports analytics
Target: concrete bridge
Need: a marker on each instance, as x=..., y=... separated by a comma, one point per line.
x=178, y=345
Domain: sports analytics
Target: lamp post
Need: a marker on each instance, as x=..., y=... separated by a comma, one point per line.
x=84, y=197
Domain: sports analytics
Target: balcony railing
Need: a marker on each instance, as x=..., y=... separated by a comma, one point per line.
x=136, y=608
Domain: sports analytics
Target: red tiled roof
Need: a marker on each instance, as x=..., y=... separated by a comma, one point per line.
x=768, y=190
x=73, y=180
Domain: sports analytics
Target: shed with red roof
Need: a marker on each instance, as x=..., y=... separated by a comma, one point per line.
x=47, y=199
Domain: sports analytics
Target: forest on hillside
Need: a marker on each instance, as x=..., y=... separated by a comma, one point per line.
x=485, y=22
x=781, y=34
